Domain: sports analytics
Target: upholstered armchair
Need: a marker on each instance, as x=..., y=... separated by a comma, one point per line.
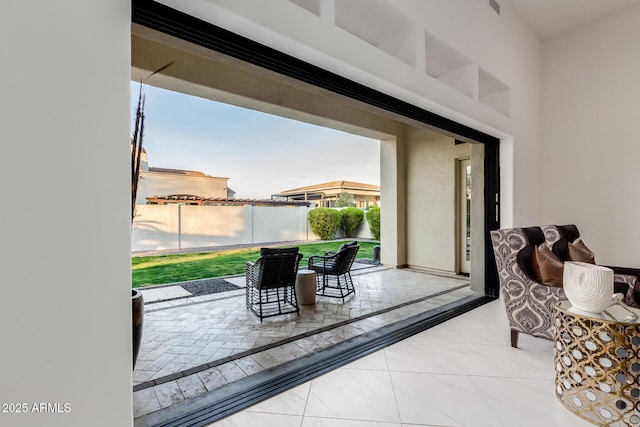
x=563, y=241
x=528, y=303
x=530, y=263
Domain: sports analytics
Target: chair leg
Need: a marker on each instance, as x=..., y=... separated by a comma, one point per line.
x=339, y=286
x=514, y=339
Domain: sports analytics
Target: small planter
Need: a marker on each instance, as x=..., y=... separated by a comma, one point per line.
x=137, y=305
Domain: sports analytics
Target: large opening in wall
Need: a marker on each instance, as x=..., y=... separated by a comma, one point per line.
x=421, y=159
x=226, y=165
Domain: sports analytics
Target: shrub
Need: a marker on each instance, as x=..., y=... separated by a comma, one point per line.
x=373, y=218
x=324, y=222
x=350, y=219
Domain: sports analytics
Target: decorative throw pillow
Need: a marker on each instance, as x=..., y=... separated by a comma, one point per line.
x=532, y=266
x=578, y=251
x=550, y=267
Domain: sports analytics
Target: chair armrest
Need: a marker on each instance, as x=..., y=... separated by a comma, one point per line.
x=311, y=260
x=630, y=276
x=625, y=278
x=250, y=267
x=625, y=271
x=254, y=267
x=322, y=257
x=319, y=259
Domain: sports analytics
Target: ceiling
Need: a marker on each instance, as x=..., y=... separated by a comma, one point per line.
x=548, y=18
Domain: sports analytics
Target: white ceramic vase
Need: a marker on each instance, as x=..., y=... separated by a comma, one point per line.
x=587, y=286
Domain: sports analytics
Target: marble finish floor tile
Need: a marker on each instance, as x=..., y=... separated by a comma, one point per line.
x=353, y=394
x=262, y=419
x=486, y=383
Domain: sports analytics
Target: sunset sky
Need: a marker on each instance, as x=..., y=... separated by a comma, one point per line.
x=260, y=153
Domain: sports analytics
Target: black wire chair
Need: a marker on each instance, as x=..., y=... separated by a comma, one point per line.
x=333, y=271
x=271, y=282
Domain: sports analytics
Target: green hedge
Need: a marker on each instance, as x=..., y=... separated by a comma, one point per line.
x=350, y=219
x=324, y=222
x=373, y=218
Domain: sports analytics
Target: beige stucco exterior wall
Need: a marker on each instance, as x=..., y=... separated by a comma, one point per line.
x=477, y=218
x=393, y=220
x=431, y=208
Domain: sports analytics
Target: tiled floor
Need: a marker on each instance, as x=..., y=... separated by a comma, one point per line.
x=460, y=373
x=193, y=346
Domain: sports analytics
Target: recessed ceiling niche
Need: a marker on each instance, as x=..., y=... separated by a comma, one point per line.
x=447, y=65
x=312, y=6
x=379, y=24
x=493, y=93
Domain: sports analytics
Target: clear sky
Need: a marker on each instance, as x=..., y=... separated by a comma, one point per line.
x=260, y=153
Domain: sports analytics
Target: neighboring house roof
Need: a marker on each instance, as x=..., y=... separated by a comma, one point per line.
x=219, y=201
x=181, y=172
x=343, y=185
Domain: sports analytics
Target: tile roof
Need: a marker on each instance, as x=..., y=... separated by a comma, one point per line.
x=351, y=185
x=177, y=171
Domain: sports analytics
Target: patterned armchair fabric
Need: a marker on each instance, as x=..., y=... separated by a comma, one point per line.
x=529, y=304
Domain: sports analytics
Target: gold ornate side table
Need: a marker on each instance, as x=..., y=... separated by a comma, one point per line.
x=597, y=363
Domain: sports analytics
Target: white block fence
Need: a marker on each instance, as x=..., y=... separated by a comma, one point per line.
x=177, y=226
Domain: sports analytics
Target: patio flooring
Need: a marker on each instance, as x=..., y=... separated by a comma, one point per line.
x=192, y=346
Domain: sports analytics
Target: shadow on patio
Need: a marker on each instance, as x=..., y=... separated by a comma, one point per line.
x=199, y=351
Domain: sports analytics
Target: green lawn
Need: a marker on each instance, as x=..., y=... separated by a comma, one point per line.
x=157, y=270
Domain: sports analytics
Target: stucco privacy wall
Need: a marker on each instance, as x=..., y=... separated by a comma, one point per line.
x=591, y=92
x=65, y=310
x=165, y=184
x=176, y=227
x=501, y=45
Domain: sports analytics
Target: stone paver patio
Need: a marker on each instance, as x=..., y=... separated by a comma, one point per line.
x=195, y=345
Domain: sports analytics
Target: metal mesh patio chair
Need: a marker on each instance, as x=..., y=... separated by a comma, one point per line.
x=271, y=282
x=333, y=271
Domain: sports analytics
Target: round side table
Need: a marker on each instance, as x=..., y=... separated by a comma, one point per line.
x=306, y=287
x=597, y=363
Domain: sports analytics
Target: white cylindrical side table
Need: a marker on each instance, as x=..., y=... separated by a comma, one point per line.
x=306, y=287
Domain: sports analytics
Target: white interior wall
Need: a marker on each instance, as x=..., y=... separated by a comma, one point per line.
x=501, y=45
x=65, y=310
x=590, y=149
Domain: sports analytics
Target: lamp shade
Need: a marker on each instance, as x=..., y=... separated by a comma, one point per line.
x=588, y=287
